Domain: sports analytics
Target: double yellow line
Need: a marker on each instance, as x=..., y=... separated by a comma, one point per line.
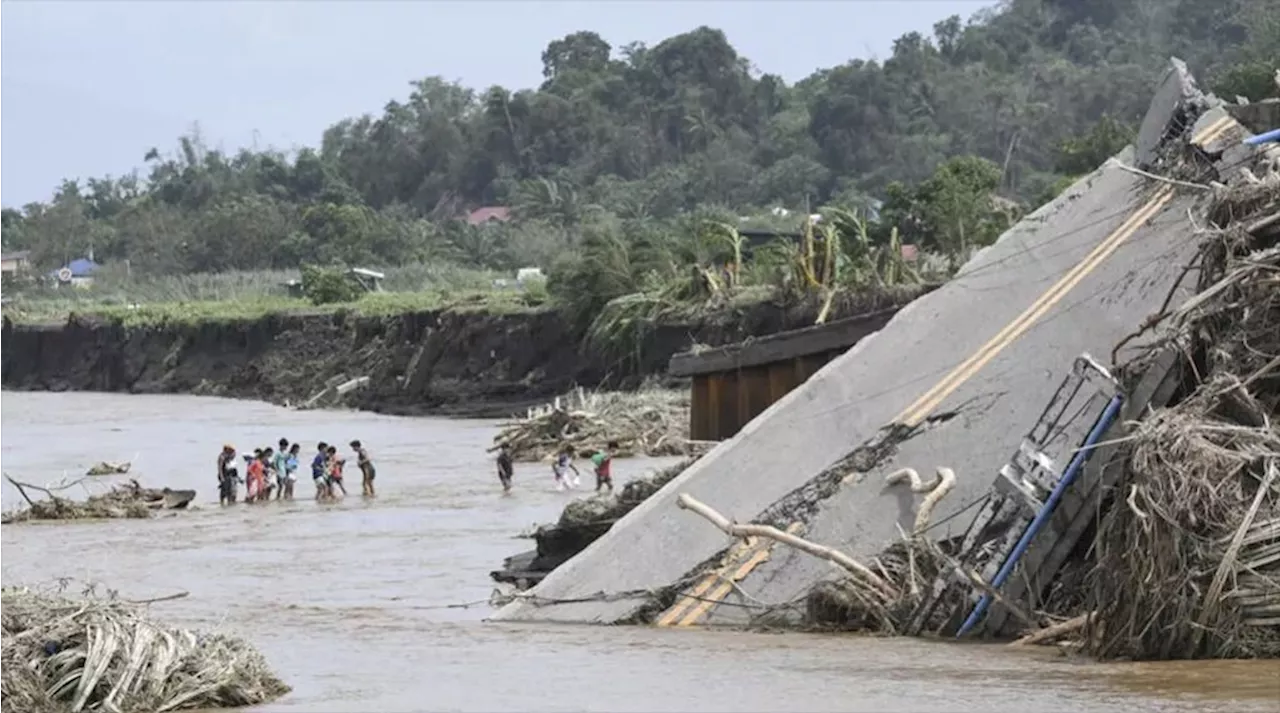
x=1214, y=130
x=923, y=406
x=693, y=605
x=698, y=601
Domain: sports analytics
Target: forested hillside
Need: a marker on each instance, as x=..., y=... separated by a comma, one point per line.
x=624, y=144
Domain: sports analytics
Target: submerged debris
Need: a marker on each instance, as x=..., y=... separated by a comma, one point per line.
x=127, y=500
x=63, y=654
x=1200, y=496
x=651, y=421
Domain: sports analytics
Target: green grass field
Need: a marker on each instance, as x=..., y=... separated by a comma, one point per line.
x=187, y=299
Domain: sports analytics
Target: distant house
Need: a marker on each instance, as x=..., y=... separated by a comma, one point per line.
x=489, y=214
x=15, y=262
x=78, y=273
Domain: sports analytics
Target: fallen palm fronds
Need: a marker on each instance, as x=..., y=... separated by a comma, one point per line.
x=1188, y=556
x=878, y=598
x=650, y=421
x=64, y=654
x=128, y=500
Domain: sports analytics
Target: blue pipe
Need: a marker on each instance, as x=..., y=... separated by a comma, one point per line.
x=1273, y=135
x=1046, y=511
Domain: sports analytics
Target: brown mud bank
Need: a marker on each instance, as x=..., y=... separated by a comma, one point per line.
x=447, y=361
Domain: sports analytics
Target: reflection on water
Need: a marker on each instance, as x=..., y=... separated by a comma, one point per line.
x=355, y=603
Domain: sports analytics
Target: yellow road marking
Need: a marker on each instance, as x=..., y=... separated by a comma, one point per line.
x=1214, y=130
x=921, y=407
x=726, y=586
x=688, y=600
x=1210, y=132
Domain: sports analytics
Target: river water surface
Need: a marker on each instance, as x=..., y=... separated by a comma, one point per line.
x=351, y=602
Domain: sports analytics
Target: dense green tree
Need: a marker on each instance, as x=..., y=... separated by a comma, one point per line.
x=619, y=146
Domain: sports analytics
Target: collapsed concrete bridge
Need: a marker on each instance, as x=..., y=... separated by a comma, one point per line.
x=956, y=378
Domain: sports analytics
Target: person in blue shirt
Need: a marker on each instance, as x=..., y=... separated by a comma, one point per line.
x=319, y=466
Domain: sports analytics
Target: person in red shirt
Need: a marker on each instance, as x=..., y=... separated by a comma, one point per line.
x=603, y=461
x=255, y=478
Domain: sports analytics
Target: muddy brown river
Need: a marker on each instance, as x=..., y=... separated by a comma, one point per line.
x=351, y=602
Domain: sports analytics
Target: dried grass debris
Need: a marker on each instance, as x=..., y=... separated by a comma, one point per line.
x=63, y=654
x=1188, y=554
x=650, y=421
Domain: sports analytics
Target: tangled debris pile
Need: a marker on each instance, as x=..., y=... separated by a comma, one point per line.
x=62, y=654
x=651, y=421
x=126, y=500
x=1200, y=497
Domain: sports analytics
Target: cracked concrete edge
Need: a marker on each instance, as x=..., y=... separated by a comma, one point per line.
x=1176, y=93
x=801, y=504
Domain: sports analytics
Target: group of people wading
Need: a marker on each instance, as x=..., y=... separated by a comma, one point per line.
x=270, y=473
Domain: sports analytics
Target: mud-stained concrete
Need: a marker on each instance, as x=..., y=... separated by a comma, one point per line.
x=351, y=602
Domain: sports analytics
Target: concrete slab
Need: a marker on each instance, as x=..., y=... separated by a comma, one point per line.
x=1002, y=400
x=1028, y=280
x=1177, y=87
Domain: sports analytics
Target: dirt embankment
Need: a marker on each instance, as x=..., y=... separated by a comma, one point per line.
x=456, y=362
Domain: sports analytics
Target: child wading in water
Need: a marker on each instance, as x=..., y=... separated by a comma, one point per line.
x=254, y=477
x=506, y=468
x=280, y=466
x=319, y=472
x=270, y=478
x=367, y=472
x=336, y=463
x=603, y=461
x=291, y=470
x=227, y=475
x=561, y=467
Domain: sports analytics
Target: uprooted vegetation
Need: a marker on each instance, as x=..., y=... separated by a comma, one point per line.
x=1200, y=496
x=651, y=421
x=124, y=500
x=621, y=292
x=63, y=654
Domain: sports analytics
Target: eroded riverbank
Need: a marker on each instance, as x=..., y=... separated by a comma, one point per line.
x=350, y=602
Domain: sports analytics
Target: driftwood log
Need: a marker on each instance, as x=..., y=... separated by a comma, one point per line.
x=688, y=502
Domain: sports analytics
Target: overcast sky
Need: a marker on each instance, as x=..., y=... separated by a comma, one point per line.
x=88, y=87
